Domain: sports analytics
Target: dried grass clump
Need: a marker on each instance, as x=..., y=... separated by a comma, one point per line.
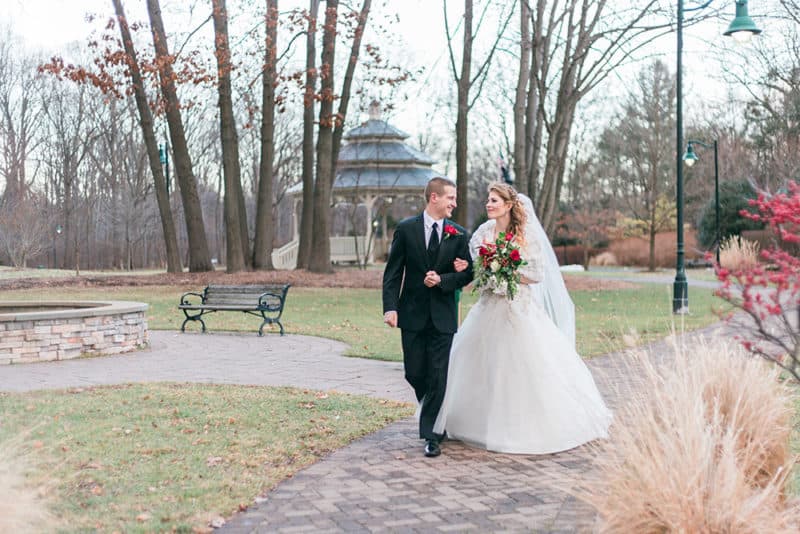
x=701, y=446
x=737, y=253
x=604, y=259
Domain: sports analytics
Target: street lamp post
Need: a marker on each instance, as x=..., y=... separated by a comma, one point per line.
x=59, y=229
x=690, y=158
x=163, y=156
x=741, y=29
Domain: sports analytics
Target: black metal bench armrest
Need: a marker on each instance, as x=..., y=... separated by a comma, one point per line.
x=185, y=301
x=266, y=300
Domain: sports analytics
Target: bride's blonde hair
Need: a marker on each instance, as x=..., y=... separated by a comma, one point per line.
x=518, y=216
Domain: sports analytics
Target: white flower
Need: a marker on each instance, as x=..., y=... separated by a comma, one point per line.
x=494, y=266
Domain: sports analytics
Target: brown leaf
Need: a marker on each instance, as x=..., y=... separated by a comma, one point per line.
x=141, y=518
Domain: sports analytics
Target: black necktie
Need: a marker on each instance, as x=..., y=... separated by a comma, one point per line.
x=433, y=242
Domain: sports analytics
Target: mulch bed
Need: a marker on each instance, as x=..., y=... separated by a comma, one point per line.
x=347, y=278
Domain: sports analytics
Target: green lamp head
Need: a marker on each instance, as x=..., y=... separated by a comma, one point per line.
x=742, y=28
x=690, y=157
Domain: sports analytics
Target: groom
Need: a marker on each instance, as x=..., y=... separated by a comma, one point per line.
x=419, y=285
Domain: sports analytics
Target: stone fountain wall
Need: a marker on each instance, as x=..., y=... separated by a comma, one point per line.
x=92, y=329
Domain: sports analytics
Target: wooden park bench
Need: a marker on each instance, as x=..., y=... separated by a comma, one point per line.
x=266, y=301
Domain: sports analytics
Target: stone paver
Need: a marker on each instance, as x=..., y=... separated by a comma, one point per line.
x=381, y=482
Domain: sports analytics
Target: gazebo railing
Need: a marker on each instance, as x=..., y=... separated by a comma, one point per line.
x=286, y=256
x=343, y=249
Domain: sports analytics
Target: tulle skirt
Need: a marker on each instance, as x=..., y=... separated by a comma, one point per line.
x=517, y=385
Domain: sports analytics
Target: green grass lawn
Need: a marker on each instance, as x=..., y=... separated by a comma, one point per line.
x=606, y=320
x=706, y=275
x=169, y=457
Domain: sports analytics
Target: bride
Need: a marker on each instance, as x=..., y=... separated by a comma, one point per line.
x=515, y=382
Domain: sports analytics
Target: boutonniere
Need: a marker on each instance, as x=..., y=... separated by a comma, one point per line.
x=450, y=230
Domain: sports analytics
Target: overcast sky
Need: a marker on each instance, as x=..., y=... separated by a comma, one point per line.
x=51, y=24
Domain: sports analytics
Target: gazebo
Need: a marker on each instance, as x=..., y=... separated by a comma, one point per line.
x=375, y=168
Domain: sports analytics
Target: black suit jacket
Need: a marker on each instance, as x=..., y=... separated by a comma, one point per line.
x=404, y=290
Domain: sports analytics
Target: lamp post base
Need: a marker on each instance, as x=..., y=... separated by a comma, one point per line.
x=680, y=299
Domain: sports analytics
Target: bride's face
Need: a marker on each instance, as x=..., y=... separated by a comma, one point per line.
x=496, y=207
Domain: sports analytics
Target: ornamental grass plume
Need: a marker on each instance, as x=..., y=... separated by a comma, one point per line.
x=736, y=253
x=21, y=507
x=702, y=445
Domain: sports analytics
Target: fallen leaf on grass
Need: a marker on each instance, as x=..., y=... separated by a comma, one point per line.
x=213, y=460
x=141, y=518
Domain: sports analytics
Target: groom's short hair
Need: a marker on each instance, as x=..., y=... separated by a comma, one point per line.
x=437, y=185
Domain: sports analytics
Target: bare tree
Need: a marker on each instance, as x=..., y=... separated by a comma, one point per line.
x=574, y=46
x=20, y=115
x=639, y=141
x=24, y=229
x=262, y=251
x=71, y=137
x=464, y=83
x=331, y=129
x=149, y=136
x=235, y=250
x=306, y=223
x=199, y=258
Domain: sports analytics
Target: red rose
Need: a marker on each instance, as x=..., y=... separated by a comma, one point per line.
x=450, y=230
x=515, y=255
x=483, y=251
x=509, y=236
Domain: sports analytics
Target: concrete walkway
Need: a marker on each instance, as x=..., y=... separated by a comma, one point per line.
x=379, y=483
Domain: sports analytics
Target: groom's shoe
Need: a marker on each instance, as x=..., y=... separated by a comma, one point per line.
x=432, y=449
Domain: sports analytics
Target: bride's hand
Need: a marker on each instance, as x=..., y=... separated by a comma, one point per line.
x=525, y=280
x=460, y=265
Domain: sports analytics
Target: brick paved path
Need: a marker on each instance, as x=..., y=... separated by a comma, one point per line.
x=379, y=483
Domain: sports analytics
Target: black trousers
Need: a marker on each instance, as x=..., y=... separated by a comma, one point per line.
x=426, y=355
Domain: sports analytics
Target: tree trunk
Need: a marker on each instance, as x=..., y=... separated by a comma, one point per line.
x=320, y=259
x=307, y=217
x=464, y=82
x=148, y=133
x=234, y=257
x=651, y=263
x=521, y=98
x=199, y=257
x=262, y=250
x=347, y=82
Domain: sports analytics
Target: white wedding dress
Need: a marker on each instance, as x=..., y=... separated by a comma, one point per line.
x=515, y=382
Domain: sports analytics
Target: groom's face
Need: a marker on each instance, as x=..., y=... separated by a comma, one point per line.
x=442, y=206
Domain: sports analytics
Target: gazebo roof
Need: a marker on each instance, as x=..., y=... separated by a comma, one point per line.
x=366, y=153
x=375, y=128
x=414, y=178
x=375, y=158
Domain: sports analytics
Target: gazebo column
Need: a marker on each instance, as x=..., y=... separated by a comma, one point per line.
x=295, y=222
x=385, y=208
x=369, y=202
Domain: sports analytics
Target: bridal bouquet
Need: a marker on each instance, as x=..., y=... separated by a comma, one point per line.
x=497, y=270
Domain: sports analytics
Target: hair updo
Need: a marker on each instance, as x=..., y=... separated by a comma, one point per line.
x=518, y=216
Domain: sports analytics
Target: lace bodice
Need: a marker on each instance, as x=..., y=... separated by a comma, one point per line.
x=531, y=250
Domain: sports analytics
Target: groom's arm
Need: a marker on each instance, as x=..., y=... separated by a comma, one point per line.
x=393, y=273
x=453, y=281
